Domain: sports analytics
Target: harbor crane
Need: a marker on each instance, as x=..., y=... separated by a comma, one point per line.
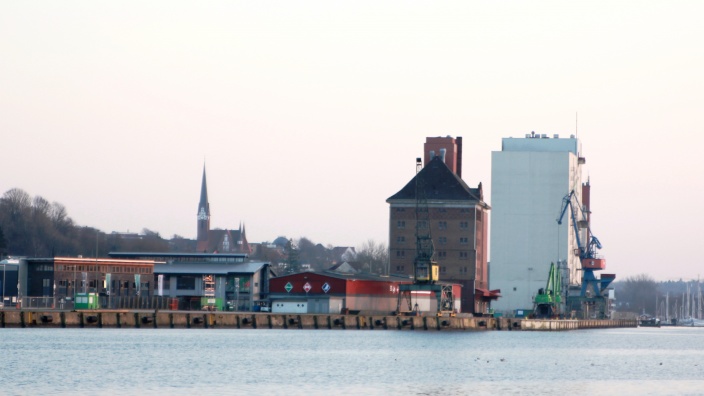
x=593, y=288
x=426, y=271
x=548, y=301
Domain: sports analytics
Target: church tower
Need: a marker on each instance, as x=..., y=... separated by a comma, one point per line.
x=203, y=216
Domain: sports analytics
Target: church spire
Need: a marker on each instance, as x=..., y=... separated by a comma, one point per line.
x=203, y=205
x=203, y=214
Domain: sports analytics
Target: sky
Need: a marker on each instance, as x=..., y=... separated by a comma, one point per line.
x=309, y=115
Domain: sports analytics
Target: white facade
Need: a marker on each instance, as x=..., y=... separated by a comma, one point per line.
x=529, y=179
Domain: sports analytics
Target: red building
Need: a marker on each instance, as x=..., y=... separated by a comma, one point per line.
x=332, y=292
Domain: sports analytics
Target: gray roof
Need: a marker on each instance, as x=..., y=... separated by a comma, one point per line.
x=439, y=184
x=147, y=255
x=209, y=268
x=358, y=276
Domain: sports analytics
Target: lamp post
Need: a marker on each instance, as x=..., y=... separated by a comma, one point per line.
x=4, y=266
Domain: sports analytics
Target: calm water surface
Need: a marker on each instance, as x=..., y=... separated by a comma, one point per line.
x=328, y=362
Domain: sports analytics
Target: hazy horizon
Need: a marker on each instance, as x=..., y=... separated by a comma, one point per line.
x=309, y=115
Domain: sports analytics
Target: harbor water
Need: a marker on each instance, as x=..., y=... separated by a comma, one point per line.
x=639, y=361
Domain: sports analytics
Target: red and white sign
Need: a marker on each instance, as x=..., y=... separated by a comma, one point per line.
x=307, y=287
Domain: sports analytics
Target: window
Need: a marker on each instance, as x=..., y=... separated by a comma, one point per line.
x=400, y=239
x=400, y=254
x=443, y=269
x=464, y=225
x=186, y=283
x=46, y=282
x=464, y=240
x=422, y=224
x=463, y=255
x=442, y=240
x=401, y=224
x=442, y=254
x=400, y=268
x=442, y=225
x=400, y=209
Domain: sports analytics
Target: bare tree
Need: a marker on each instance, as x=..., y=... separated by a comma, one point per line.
x=373, y=256
x=638, y=294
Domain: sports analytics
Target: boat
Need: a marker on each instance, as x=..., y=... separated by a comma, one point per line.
x=647, y=321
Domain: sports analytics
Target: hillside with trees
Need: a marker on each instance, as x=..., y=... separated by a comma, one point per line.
x=35, y=227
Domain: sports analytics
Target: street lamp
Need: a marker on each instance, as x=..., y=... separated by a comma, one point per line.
x=4, y=265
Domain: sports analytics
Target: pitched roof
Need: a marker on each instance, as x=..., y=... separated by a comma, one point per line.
x=440, y=183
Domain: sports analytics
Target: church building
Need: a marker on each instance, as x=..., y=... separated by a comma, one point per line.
x=218, y=240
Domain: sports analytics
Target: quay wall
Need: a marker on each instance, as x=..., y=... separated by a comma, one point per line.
x=243, y=320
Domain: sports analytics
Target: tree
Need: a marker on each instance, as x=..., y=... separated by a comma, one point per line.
x=638, y=293
x=3, y=243
x=373, y=256
x=294, y=265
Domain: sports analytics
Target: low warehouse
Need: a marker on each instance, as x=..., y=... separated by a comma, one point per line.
x=335, y=292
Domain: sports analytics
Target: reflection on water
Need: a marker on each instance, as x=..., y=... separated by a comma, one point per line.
x=311, y=362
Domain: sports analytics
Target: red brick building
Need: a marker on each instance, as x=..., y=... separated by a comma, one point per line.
x=458, y=219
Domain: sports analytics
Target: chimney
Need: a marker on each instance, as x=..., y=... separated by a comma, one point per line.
x=458, y=161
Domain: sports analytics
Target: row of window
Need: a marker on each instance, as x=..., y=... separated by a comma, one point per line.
x=106, y=269
x=439, y=210
x=442, y=225
x=441, y=240
x=443, y=269
x=440, y=254
x=462, y=270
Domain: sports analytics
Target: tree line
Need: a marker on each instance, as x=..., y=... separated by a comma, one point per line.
x=34, y=227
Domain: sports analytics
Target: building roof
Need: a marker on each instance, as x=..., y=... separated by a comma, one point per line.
x=358, y=276
x=204, y=256
x=83, y=260
x=440, y=184
x=209, y=268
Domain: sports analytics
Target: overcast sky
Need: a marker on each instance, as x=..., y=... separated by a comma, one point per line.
x=309, y=115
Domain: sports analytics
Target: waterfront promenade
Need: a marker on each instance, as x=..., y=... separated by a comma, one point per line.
x=245, y=320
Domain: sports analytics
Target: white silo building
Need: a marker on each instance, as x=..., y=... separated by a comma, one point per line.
x=529, y=178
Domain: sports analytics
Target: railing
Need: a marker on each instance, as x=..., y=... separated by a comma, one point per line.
x=104, y=302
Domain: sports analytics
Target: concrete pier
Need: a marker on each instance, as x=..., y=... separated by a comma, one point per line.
x=244, y=320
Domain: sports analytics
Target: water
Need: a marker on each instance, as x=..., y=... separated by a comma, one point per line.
x=328, y=362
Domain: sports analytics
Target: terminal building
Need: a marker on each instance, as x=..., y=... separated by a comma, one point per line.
x=529, y=178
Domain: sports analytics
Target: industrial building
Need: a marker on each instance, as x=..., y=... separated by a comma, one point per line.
x=456, y=217
x=530, y=177
x=224, y=281
x=336, y=292
x=56, y=281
